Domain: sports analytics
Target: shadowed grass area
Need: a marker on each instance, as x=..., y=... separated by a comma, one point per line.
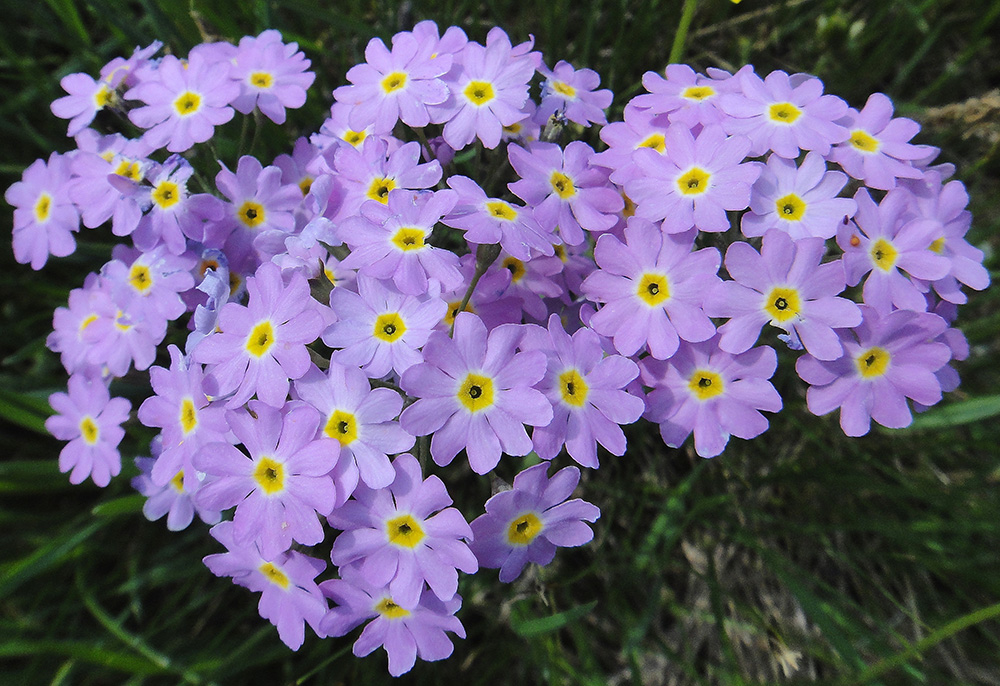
x=801, y=556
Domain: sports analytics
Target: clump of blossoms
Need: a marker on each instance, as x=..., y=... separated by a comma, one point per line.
x=371, y=304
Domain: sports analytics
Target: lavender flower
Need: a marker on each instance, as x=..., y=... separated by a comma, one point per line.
x=44, y=216
x=571, y=92
x=272, y=76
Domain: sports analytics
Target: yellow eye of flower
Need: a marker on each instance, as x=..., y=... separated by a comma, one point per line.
x=139, y=278
x=390, y=610
x=343, y=426
x=563, y=89
x=408, y=238
x=187, y=103
x=177, y=482
x=698, y=93
x=89, y=430
x=653, y=289
x=523, y=529
x=43, y=208
x=863, y=141
x=694, y=181
x=261, y=79
x=782, y=304
x=476, y=392
x=449, y=317
x=189, y=415
x=379, y=189
x=479, y=92
x=252, y=214
x=129, y=169
x=166, y=194
x=394, y=82
x=656, y=141
x=883, y=254
x=104, y=97
x=269, y=475
x=273, y=574
x=354, y=138
x=573, y=388
x=515, y=267
x=562, y=185
x=784, y=112
x=404, y=531
x=872, y=362
x=261, y=339
x=790, y=207
x=389, y=327
x=498, y=209
x=705, y=384
x=305, y=185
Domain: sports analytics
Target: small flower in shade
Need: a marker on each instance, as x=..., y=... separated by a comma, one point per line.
x=289, y=598
x=712, y=393
x=884, y=244
x=639, y=130
x=528, y=522
x=572, y=93
x=90, y=419
x=531, y=281
x=106, y=172
x=585, y=389
x=380, y=329
x=487, y=221
x=784, y=285
x=887, y=359
x=390, y=241
x=488, y=92
x=406, y=632
x=86, y=97
x=71, y=335
x=261, y=346
x=404, y=535
x=784, y=113
x=183, y=101
x=182, y=412
x=652, y=287
x=359, y=417
x=801, y=201
x=174, y=214
x=695, y=182
x=175, y=499
x=476, y=393
x=395, y=85
x=272, y=76
x=149, y=285
x=44, y=216
x=878, y=151
x=564, y=189
x=279, y=489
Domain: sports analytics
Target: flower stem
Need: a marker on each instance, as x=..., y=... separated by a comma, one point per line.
x=677, y=49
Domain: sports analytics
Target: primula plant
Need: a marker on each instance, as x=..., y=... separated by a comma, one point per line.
x=466, y=263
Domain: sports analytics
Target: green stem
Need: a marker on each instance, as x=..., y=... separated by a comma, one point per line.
x=677, y=49
x=932, y=639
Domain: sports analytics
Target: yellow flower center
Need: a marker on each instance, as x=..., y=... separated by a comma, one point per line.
x=513, y=129
x=653, y=289
x=938, y=245
x=189, y=415
x=790, y=207
x=121, y=321
x=409, y=238
x=273, y=574
x=129, y=169
x=88, y=321
x=698, y=93
x=563, y=89
x=390, y=610
x=404, y=531
x=166, y=194
x=694, y=181
x=104, y=97
x=187, y=103
x=476, y=392
x=177, y=482
x=479, y=92
x=43, y=208
x=562, y=185
x=515, y=267
x=573, y=388
x=560, y=251
x=655, y=141
x=343, y=426
x=261, y=79
x=629, y=207
x=394, y=82
x=524, y=529
x=864, y=141
x=783, y=112
x=89, y=430
x=498, y=209
x=782, y=304
x=389, y=327
x=379, y=189
x=449, y=317
x=139, y=278
x=252, y=214
x=270, y=475
x=305, y=184
x=705, y=384
x=872, y=362
x=354, y=138
x=883, y=254
x=261, y=339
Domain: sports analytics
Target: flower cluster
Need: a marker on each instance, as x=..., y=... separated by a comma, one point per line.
x=363, y=306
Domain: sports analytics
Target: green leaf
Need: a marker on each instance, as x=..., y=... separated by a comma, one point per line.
x=125, y=505
x=965, y=412
x=527, y=628
x=24, y=410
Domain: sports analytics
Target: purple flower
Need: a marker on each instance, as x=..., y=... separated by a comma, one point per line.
x=86, y=98
x=877, y=150
x=652, y=287
x=571, y=92
x=784, y=113
x=712, y=393
x=396, y=84
x=476, y=393
x=72, y=335
x=404, y=535
x=380, y=329
x=272, y=76
x=405, y=632
x=784, y=285
x=564, y=189
x=695, y=182
x=183, y=101
x=98, y=166
x=527, y=523
x=801, y=201
x=887, y=359
x=89, y=418
x=260, y=347
x=289, y=596
x=44, y=216
x=175, y=499
x=281, y=486
x=585, y=390
x=688, y=98
x=359, y=417
x=148, y=285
